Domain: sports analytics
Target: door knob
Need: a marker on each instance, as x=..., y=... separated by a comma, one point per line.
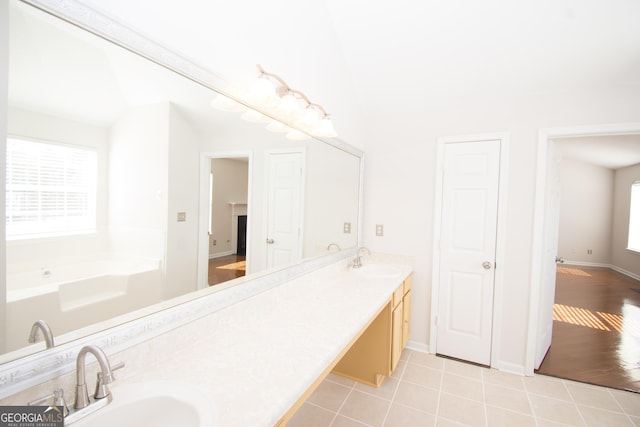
x=270, y=241
x=486, y=265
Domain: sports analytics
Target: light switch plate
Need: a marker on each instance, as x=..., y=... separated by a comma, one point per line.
x=182, y=216
x=347, y=228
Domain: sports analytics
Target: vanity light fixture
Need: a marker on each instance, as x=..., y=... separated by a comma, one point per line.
x=271, y=94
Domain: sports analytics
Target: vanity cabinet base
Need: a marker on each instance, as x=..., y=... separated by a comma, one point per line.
x=369, y=359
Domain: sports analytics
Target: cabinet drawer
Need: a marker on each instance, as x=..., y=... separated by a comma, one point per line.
x=407, y=284
x=397, y=295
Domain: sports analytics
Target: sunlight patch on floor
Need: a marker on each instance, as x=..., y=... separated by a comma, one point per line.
x=597, y=320
x=573, y=271
x=240, y=266
x=578, y=316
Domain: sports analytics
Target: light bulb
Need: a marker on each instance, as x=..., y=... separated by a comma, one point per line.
x=290, y=107
x=309, y=117
x=263, y=93
x=324, y=128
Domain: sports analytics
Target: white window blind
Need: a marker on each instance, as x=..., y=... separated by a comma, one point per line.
x=634, y=218
x=50, y=189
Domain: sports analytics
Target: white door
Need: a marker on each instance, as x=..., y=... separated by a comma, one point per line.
x=551, y=223
x=284, y=215
x=468, y=250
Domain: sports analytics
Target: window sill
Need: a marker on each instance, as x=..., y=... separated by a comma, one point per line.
x=42, y=238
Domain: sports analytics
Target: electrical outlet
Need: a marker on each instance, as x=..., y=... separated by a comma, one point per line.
x=589, y=251
x=182, y=216
x=347, y=228
x=379, y=230
x=215, y=242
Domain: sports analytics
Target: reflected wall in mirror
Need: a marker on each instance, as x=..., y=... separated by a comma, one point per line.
x=124, y=185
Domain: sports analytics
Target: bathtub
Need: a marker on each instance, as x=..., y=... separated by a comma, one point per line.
x=69, y=297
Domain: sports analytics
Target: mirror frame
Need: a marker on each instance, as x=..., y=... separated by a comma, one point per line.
x=26, y=370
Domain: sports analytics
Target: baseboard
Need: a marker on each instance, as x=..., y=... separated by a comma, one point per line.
x=417, y=346
x=220, y=254
x=625, y=272
x=587, y=264
x=598, y=264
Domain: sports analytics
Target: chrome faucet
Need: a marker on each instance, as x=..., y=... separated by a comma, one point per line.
x=104, y=377
x=46, y=333
x=333, y=245
x=357, y=262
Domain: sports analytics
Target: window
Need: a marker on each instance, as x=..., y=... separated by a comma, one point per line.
x=634, y=218
x=51, y=189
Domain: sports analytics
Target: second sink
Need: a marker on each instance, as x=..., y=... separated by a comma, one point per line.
x=378, y=270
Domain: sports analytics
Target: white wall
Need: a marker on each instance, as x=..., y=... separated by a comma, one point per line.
x=183, y=181
x=586, y=212
x=332, y=189
x=230, y=184
x=138, y=182
x=622, y=257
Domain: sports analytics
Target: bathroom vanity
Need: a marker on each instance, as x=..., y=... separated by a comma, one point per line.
x=257, y=361
x=375, y=351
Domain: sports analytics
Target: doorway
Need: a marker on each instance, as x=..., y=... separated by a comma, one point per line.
x=546, y=314
x=225, y=226
x=469, y=243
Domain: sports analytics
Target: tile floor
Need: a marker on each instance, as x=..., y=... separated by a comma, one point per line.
x=426, y=390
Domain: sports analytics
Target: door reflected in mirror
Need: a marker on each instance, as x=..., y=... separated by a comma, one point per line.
x=138, y=188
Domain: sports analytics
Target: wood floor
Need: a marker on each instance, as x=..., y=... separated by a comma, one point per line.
x=596, y=328
x=226, y=268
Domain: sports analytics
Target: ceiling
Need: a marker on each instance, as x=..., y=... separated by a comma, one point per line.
x=98, y=81
x=608, y=151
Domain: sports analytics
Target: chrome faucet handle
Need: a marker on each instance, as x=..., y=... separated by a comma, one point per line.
x=58, y=400
x=102, y=381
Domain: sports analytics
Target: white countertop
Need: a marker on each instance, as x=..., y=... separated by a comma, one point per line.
x=256, y=358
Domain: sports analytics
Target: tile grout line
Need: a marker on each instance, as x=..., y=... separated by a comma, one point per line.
x=444, y=367
x=353, y=387
x=624, y=411
x=533, y=409
x=484, y=398
x=395, y=391
x=573, y=400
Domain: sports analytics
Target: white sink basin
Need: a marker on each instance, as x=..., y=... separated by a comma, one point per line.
x=378, y=270
x=155, y=403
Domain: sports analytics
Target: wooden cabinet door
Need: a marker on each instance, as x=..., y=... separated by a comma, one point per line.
x=406, y=318
x=396, y=335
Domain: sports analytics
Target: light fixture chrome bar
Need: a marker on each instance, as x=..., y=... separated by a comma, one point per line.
x=287, y=89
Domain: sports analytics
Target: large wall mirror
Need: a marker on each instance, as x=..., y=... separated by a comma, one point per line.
x=127, y=189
